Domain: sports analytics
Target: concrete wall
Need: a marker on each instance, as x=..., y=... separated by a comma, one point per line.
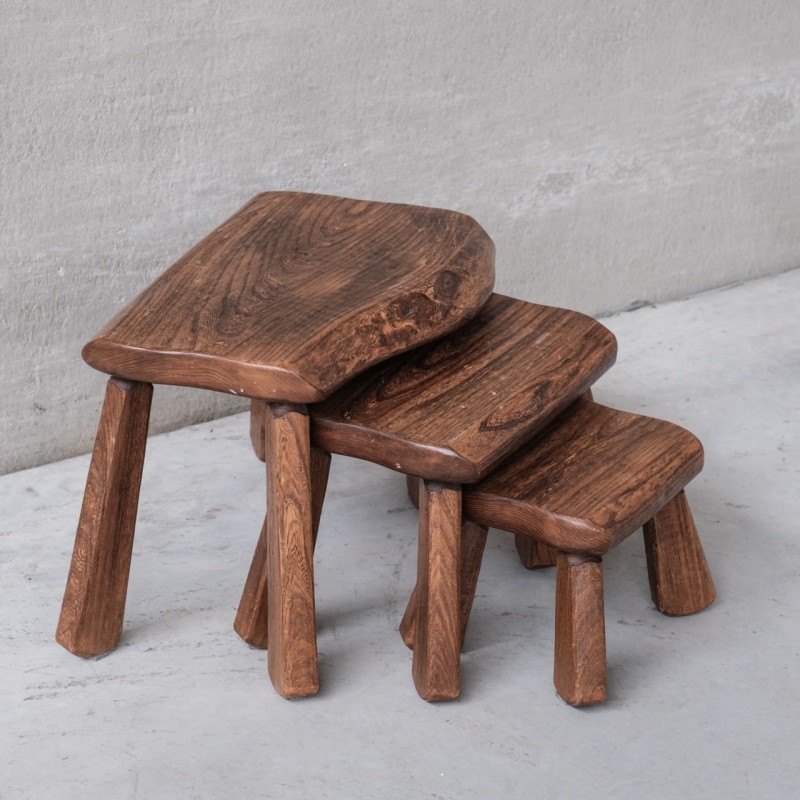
x=617, y=151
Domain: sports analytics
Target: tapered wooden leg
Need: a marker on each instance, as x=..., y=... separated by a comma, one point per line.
x=408, y=623
x=412, y=486
x=258, y=432
x=94, y=599
x=473, y=543
x=580, y=648
x=533, y=554
x=680, y=581
x=252, y=616
x=292, y=658
x=437, y=641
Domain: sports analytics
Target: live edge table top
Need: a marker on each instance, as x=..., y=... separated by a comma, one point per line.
x=296, y=293
x=454, y=409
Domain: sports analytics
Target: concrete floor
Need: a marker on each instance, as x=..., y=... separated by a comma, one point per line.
x=700, y=707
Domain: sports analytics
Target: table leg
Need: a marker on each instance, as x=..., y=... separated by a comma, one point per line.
x=252, y=617
x=292, y=658
x=412, y=486
x=473, y=543
x=533, y=554
x=579, y=671
x=94, y=600
x=680, y=580
x=437, y=641
x=258, y=431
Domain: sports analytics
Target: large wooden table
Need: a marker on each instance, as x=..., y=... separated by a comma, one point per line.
x=286, y=301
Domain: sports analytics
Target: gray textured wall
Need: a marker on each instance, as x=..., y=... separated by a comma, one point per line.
x=616, y=152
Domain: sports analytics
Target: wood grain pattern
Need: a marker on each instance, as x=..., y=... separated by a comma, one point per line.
x=473, y=543
x=252, y=616
x=94, y=600
x=292, y=658
x=436, y=667
x=590, y=480
x=680, y=580
x=296, y=293
x=453, y=410
x=580, y=651
x=532, y=553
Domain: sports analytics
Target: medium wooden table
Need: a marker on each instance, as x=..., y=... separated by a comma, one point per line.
x=586, y=483
x=287, y=300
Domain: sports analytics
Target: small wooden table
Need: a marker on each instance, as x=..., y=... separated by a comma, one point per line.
x=287, y=300
x=586, y=483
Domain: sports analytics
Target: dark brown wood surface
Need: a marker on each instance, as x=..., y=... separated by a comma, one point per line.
x=473, y=542
x=592, y=478
x=454, y=409
x=94, y=600
x=579, y=669
x=588, y=481
x=291, y=616
x=296, y=293
x=533, y=554
x=258, y=430
x=252, y=616
x=436, y=667
x=680, y=580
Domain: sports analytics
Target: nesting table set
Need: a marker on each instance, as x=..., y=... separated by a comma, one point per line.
x=370, y=330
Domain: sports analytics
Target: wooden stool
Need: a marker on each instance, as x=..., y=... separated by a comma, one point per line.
x=450, y=412
x=284, y=302
x=584, y=485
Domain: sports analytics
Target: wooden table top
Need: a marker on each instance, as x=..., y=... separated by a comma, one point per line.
x=589, y=480
x=452, y=410
x=296, y=293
